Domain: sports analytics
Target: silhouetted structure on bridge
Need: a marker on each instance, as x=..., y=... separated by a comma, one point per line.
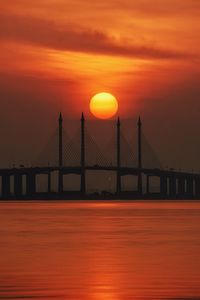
x=172, y=184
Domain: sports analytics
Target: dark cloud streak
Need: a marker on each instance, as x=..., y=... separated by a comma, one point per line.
x=35, y=31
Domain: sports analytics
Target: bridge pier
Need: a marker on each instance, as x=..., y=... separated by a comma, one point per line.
x=118, y=189
x=60, y=181
x=147, y=184
x=139, y=157
x=83, y=181
x=5, y=185
x=49, y=182
x=189, y=187
x=18, y=186
x=172, y=186
x=30, y=184
x=118, y=185
x=60, y=158
x=181, y=186
x=163, y=186
x=197, y=188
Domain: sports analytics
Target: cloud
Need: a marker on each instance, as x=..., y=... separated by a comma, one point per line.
x=43, y=33
x=153, y=8
x=156, y=8
x=184, y=298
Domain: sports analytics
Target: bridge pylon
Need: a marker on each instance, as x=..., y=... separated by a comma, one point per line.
x=139, y=156
x=60, y=154
x=118, y=186
x=83, y=182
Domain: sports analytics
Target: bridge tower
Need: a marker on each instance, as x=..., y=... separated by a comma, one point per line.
x=118, y=187
x=83, y=187
x=60, y=154
x=139, y=156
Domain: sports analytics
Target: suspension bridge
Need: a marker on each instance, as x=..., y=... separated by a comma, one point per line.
x=80, y=154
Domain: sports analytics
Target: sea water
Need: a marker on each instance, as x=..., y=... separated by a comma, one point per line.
x=100, y=250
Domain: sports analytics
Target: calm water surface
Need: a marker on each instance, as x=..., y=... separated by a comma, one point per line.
x=100, y=250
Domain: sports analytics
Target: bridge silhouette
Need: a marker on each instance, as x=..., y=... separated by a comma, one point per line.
x=82, y=154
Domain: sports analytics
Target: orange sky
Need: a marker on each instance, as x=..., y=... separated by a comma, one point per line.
x=56, y=54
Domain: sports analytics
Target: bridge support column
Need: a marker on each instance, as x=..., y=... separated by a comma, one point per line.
x=147, y=184
x=30, y=184
x=18, y=186
x=83, y=183
x=60, y=151
x=49, y=182
x=139, y=157
x=6, y=185
x=118, y=187
x=197, y=188
x=181, y=186
x=172, y=186
x=189, y=187
x=163, y=186
x=60, y=181
x=83, y=187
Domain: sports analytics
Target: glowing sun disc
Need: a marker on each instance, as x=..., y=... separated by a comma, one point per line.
x=103, y=105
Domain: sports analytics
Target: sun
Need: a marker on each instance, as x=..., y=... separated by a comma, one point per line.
x=103, y=105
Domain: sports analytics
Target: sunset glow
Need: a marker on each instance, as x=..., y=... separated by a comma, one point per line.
x=56, y=54
x=100, y=143
x=71, y=49
x=103, y=105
